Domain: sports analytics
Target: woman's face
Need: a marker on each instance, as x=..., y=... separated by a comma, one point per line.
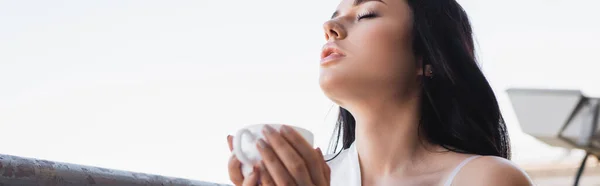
x=368, y=51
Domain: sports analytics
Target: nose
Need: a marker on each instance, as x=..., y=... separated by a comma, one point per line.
x=334, y=30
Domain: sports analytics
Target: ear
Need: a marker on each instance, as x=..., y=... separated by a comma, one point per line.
x=428, y=71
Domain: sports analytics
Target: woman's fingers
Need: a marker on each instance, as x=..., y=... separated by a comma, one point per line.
x=325, y=167
x=235, y=173
x=289, y=157
x=252, y=179
x=265, y=177
x=278, y=171
x=307, y=153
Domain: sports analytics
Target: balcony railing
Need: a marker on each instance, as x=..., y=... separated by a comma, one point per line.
x=19, y=171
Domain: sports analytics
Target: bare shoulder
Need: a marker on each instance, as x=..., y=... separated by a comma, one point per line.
x=491, y=170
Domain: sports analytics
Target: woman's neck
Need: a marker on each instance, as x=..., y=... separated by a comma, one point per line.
x=387, y=138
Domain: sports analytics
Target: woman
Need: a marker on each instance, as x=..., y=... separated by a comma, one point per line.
x=415, y=109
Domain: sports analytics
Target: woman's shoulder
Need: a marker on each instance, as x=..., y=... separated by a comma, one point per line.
x=486, y=170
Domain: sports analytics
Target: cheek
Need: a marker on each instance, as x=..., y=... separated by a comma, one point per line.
x=384, y=51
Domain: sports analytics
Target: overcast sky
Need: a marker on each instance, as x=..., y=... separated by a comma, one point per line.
x=155, y=86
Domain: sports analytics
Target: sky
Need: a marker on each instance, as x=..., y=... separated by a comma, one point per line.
x=156, y=86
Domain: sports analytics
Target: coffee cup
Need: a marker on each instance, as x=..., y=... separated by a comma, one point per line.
x=245, y=140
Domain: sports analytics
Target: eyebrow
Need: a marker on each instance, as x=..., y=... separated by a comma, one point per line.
x=356, y=3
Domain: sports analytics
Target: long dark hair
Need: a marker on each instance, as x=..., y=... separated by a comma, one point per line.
x=459, y=110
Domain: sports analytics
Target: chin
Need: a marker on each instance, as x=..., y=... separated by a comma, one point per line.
x=333, y=86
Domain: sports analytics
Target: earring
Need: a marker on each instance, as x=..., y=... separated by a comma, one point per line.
x=428, y=71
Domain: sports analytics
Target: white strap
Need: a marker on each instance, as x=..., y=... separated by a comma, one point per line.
x=457, y=169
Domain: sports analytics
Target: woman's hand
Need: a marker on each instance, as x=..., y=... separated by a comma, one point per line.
x=235, y=171
x=290, y=160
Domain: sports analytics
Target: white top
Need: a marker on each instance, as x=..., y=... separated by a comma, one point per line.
x=345, y=168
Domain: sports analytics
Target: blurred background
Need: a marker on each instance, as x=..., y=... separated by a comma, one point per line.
x=156, y=86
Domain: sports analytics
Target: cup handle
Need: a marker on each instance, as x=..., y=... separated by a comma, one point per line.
x=237, y=146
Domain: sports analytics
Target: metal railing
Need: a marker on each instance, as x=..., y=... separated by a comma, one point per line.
x=19, y=171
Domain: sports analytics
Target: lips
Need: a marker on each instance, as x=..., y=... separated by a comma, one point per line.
x=331, y=53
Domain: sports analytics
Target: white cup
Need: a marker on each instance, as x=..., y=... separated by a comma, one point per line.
x=244, y=144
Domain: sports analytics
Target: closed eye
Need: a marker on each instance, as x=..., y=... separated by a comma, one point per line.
x=367, y=15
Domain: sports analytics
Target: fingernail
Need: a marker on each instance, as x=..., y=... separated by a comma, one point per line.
x=286, y=129
x=228, y=137
x=319, y=151
x=268, y=129
x=262, y=143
